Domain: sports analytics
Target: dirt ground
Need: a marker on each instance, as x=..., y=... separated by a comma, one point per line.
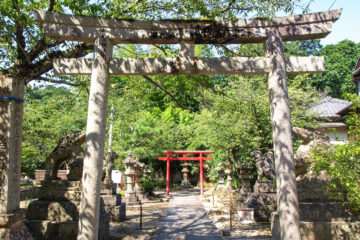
x=130, y=228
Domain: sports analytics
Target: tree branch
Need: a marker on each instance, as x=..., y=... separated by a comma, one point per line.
x=61, y=81
x=142, y=141
x=167, y=92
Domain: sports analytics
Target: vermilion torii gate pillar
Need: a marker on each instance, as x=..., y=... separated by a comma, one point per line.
x=184, y=157
x=106, y=32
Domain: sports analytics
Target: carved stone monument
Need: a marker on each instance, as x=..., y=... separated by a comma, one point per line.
x=112, y=200
x=246, y=177
x=263, y=199
x=185, y=183
x=130, y=195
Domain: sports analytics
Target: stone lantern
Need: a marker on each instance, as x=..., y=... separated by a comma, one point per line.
x=130, y=196
x=185, y=182
x=246, y=177
x=228, y=171
x=138, y=173
x=147, y=172
x=220, y=170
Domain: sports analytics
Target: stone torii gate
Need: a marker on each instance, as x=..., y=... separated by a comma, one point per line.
x=107, y=32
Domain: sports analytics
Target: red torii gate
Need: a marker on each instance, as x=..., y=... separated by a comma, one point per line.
x=184, y=157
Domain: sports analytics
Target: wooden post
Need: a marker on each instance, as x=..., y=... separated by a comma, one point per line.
x=168, y=174
x=287, y=200
x=95, y=138
x=201, y=175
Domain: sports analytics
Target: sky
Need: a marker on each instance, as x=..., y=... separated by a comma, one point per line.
x=348, y=26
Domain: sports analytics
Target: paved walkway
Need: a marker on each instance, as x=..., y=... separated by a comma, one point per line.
x=185, y=218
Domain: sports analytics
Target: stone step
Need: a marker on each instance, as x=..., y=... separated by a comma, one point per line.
x=329, y=230
x=59, y=194
x=326, y=211
x=53, y=211
x=312, y=195
x=320, y=230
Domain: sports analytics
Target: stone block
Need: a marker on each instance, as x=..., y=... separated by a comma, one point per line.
x=323, y=230
x=59, y=195
x=260, y=199
x=111, y=200
x=312, y=195
x=67, y=230
x=325, y=211
x=108, y=189
x=53, y=211
x=263, y=213
x=43, y=230
x=117, y=213
x=264, y=187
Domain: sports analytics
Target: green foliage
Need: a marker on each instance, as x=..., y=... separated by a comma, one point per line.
x=342, y=163
x=147, y=185
x=49, y=113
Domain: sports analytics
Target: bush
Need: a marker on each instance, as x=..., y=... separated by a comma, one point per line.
x=147, y=185
x=160, y=184
x=342, y=164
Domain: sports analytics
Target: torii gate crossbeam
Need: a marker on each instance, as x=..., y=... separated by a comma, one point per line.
x=106, y=32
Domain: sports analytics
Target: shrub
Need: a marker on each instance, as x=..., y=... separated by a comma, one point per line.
x=342, y=164
x=147, y=185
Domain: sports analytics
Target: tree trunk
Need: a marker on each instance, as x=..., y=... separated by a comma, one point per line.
x=95, y=138
x=287, y=200
x=11, y=121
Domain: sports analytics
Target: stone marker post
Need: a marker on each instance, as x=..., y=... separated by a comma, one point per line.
x=95, y=139
x=11, y=121
x=287, y=200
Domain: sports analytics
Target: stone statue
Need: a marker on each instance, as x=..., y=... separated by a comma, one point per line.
x=70, y=152
x=311, y=139
x=264, y=165
x=109, y=165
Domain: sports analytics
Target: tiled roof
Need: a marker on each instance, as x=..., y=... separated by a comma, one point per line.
x=356, y=73
x=330, y=107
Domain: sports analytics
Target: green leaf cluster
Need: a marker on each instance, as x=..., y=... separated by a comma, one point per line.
x=342, y=163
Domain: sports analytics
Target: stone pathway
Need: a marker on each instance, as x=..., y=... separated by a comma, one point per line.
x=185, y=218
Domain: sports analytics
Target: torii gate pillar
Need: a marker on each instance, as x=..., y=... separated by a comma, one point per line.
x=95, y=140
x=287, y=200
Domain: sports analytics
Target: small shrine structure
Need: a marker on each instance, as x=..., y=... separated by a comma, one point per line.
x=185, y=157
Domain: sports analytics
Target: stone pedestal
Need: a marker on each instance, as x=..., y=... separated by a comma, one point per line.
x=246, y=177
x=263, y=200
x=228, y=173
x=112, y=202
x=55, y=215
x=185, y=183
